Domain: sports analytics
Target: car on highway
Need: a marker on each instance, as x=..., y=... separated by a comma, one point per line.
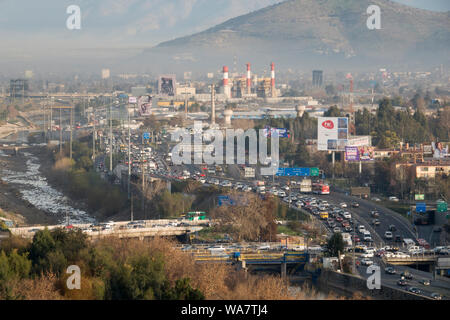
x=436, y=296
x=398, y=238
x=388, y=235
x=376, y=199
x=374, y=214
x=343, y=205
x=414, y=290
x=376, y=222
x=406, y=275
x=366, y=262
x=347, y=215
x=402, y=282
x=337, y=230
x=355, y=204
x=424, y=282
x=392, y=228
x=339, y=219
x=361, y=228
x=390, y=270
x=367, y=255
x=394, y=199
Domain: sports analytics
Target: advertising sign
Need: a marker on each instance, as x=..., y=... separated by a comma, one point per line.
x=145, y=105
x=281, y=132
x=132, y=100
x=332, y=134
x=353, y=153
x=419, y=197
x=146, y=136
x=439, y=152
x=167, y=85
x=249, y=172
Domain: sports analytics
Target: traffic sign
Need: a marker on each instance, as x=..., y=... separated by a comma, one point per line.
x=314, y=172
x=419, y=197
x=297, y=172
x=421, y=207
x=146, y=136
x=441, y=206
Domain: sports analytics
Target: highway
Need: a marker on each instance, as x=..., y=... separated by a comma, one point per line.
x=441, y=285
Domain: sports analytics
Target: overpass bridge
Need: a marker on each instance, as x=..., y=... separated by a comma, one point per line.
x=122, y=230
x=257, y=261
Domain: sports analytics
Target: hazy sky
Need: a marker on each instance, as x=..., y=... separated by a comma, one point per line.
x=32, y=28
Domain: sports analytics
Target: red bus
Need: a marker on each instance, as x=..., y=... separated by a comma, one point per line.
x=321, y=188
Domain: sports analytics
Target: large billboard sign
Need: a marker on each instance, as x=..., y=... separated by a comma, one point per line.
x=167, y=85
x=439, y=152
x=132, y=100
x=280, y=132
x=353, y=153
x=145, y=105
x=332, y=134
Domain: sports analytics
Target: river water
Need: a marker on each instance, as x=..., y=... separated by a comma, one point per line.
x=35, y=189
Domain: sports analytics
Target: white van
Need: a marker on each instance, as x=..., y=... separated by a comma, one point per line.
x=361, y=229
x=409, y=242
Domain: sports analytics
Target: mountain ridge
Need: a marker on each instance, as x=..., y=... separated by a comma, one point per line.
x=328, y=32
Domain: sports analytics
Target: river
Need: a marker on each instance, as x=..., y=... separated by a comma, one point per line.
x=35, y=189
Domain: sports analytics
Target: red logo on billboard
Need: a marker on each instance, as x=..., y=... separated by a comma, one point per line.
x=328, y=124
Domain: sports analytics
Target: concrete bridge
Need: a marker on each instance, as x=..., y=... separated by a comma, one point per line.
x=122, y=230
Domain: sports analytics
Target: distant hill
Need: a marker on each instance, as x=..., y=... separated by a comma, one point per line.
x=329, y=34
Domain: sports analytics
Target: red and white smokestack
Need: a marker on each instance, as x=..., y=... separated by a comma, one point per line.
x=225, y=76
x=272, y=75
x=249, y=79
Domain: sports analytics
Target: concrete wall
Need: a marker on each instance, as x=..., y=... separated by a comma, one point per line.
x=344, y=284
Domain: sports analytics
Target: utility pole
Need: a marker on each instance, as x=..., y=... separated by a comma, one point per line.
x=71, y=131
x=143, y=176
x=110, y=139
x=51, y=118
x=45, y=128
x=93, y=136
x=60, y=133
x=129, y=157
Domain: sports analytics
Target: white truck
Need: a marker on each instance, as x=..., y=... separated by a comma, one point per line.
x=347, y=239
x=306, y=186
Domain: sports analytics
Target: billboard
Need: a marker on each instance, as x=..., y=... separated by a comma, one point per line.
x=332, y=134
x=419, y=197
x=167, y=85
x=145, y=105
x=249, y=172
x=132, y=100
x=353, y=153
x=439, y=152
x=281, y=132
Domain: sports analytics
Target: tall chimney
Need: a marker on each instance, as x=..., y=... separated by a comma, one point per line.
x=249, y=79
x=225, y=76
x=272, y=79
x=226, y=85
x=213, y=104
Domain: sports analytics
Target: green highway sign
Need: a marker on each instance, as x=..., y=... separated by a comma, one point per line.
x=419, y=197
x=314, y=172
x=441, y=206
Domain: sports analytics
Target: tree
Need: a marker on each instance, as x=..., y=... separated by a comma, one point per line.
x=335, y=244
x=333, y=111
